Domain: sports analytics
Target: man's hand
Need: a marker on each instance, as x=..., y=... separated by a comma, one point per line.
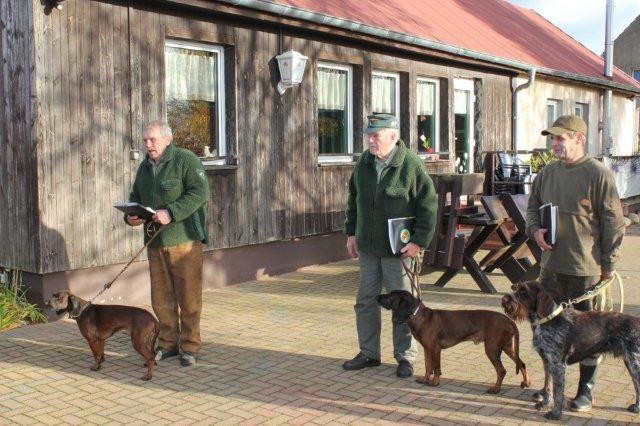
x=352, y=246
x=163, y=217
x=539, y=237
x=605, y=275
x=134, y=220
x=410, y=250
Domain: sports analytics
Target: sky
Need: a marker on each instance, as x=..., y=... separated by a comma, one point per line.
x=584, y=20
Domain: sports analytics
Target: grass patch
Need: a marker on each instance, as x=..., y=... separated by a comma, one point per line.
x=14, y=306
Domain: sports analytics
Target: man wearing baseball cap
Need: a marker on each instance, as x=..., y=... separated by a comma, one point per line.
x=589, y=233
x=389, y=181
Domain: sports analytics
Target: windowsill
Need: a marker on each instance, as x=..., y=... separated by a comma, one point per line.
x=219, y=163
x=431, y=157
x=337, y=160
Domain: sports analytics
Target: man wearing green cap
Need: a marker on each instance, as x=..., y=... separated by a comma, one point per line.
x=389, y=181
x=589, y=234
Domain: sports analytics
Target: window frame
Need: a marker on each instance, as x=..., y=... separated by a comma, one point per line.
x=436, y=113
x=558, y=105
x=347, y=157
x=583, y=107
x=218, y=50
x=635, y=73
x=395, y=75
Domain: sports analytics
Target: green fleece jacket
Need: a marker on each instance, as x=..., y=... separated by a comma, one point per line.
x=590, y=221
x=404, y=189
x=180, y=186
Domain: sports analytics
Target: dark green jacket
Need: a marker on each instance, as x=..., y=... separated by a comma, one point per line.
x=404, y=189
x=180, y=186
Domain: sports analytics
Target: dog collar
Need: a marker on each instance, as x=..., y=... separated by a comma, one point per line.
x=415, y=312
x=557, y=311
x=82, y=309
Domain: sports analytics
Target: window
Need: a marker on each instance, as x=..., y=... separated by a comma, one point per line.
x=335, y=110
x=428, y=103
x=385, y=93
x=194, y=87
x=554, y=110
x=582, y=111
x=636, y=75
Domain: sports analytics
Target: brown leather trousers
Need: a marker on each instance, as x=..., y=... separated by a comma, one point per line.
x=176, y=294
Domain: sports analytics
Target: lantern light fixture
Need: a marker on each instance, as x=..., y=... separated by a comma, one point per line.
x=291, y=65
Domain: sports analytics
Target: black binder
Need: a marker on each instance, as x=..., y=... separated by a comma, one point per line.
x=136, y=209
x=549, y=221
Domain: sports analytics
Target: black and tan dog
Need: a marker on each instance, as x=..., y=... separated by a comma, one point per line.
x=567, y=336
x=99, y=322
x=437, y=329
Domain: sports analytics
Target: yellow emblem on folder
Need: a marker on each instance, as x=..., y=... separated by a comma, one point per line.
x=405, y=235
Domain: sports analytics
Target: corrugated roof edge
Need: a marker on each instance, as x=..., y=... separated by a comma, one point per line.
x=306, y=15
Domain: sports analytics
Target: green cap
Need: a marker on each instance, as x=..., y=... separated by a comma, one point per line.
x=378, y=122
x=566, y=123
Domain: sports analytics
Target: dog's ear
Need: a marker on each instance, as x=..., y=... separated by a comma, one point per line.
x=408, y=299
x=544, y=303
x=74, y=305
x=385, y=300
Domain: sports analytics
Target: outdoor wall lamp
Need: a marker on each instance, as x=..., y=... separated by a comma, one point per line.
x=291, y=65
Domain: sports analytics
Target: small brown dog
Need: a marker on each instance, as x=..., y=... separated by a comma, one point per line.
x=99, y=322
x=438, y=329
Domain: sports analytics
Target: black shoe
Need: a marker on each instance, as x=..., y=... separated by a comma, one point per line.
x=162, y=353
x=187, y=359
x=405, y=369
x=539, y=396
x=359, y=362
x=584, y=398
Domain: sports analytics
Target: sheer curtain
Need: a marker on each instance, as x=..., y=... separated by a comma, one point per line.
x=332, y=89
x=461, y=101
x=191, y=74
x=426, y=98
x=383, y=94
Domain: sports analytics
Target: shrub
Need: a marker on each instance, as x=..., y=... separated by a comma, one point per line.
x=14, y=306
x=541, y=159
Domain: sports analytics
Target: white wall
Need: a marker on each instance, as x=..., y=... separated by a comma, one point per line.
x=532, y=115
x=623, y=126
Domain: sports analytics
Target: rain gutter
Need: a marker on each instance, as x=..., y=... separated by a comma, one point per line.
x=514, y=106
x=357, y=27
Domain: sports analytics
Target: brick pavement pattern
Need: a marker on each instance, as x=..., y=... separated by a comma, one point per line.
x=272, y=354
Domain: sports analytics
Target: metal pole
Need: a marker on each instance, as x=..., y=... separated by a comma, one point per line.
x=607, y=140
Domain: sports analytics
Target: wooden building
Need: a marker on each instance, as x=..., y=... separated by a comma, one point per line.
x=78, y=83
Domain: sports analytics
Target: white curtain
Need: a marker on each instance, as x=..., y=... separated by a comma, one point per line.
x=190, y=74
x=383, y=94
x=332, y=89
x=461, y=101
x=426, y=97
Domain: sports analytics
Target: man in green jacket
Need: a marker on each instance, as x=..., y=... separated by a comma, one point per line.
x=173, y=182
x=389, y=181
x=590, y=229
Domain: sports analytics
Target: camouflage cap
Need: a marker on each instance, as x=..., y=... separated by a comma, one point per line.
x=566, y=123
x=377, y=122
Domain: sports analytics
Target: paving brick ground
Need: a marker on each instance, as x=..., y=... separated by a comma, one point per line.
x=272, y=355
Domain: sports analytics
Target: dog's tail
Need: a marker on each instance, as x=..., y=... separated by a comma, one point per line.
x=153, y=337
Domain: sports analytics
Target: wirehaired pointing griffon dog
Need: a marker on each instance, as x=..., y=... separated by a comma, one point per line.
x=99, y=322
x=567, y=336
x=437, y=329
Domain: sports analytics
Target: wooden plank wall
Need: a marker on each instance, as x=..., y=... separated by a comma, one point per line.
x=20, y=247
x=101, y=69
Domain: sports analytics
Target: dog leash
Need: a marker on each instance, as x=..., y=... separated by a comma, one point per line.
x=152, y=229
x=588, y=295
x=599, y=288
x=413, y=271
